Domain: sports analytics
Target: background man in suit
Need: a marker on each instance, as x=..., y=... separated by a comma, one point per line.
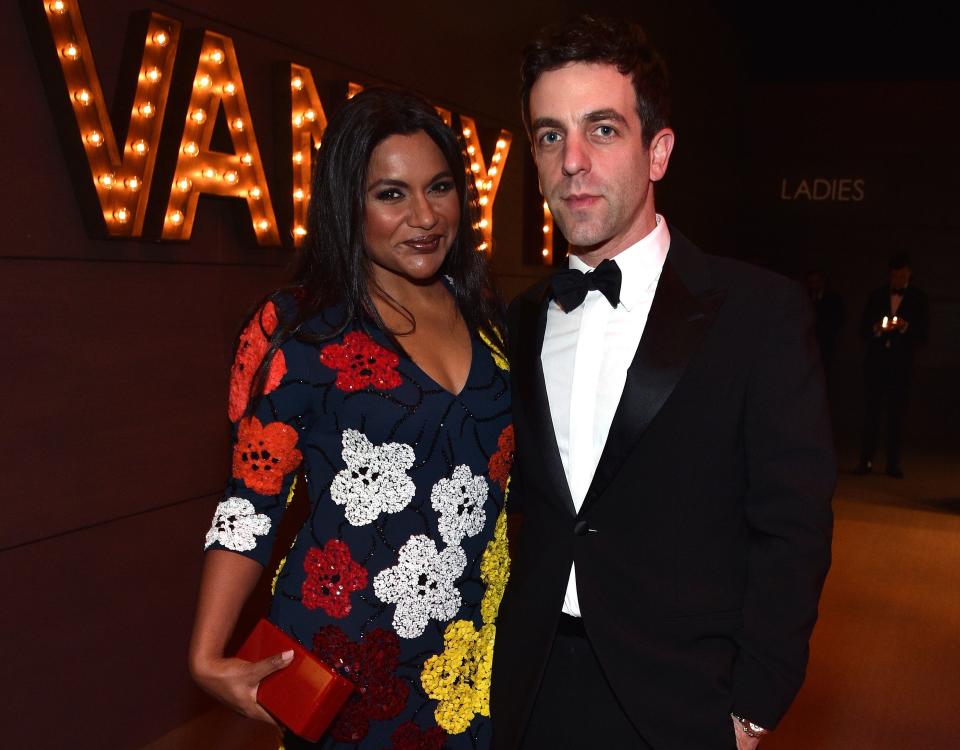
x=674, y=464
x=894, y=323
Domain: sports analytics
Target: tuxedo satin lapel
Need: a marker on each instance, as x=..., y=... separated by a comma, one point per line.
x=534, y=393
x=675, y=327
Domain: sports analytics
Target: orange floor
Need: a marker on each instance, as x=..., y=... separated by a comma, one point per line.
x=885, y=659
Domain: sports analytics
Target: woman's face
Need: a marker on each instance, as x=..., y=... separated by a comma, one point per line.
x=412, y=210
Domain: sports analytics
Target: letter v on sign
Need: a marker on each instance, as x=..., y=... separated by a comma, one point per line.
x=121, y=180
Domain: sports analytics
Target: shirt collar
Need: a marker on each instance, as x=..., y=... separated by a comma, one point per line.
x=640, y=264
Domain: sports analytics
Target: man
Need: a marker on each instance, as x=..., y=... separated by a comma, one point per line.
x=674, y=465
x=894, y=323
x=827, y=315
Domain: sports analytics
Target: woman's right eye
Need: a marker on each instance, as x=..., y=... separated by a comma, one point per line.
x=390, y=194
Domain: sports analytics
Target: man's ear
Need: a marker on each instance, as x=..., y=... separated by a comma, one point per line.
x=661, y=146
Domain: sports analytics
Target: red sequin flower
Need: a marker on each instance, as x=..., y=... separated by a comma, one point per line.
x=409, y=736
x=253, y=345
x=371, y=665
x=262, y=454
x=331, y=577
x=361, y=362
x=502, y=460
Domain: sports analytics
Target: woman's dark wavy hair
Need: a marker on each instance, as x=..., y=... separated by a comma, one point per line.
x=622, y=44
x=333, y=268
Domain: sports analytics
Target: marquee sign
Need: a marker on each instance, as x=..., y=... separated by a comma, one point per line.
x=121, y=177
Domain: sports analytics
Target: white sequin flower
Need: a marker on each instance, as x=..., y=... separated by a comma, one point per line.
x=459, y=501
x=421, y=584
x=375, y=480
x=236, y=524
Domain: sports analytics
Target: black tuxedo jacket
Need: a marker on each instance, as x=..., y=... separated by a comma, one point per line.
x=703, y=542
x=895, y=348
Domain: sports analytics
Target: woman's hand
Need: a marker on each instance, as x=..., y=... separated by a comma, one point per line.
x=234, y=682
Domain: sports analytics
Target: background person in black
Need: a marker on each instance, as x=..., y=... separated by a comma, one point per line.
x=828, y=315
x=894, y=324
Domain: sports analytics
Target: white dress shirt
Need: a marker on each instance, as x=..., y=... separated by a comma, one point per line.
x=585, y=357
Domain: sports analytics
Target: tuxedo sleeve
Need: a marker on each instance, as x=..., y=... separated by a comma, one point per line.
x=791, y=476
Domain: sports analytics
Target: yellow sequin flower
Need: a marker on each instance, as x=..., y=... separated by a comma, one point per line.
x=499, y=358
x=459, y=678
x=495, y=569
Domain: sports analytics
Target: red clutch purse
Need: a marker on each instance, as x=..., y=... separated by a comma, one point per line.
x=304, y=696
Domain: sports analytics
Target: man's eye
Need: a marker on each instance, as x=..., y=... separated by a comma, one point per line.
x=605, y=131
x=550, y=138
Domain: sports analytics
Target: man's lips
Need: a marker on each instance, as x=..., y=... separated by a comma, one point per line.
x=424, y=243
x=580, y=200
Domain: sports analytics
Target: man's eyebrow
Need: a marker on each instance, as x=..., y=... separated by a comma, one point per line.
x=547, y=122
x=605, y=114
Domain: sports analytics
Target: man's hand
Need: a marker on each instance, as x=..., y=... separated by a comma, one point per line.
x=744, y=742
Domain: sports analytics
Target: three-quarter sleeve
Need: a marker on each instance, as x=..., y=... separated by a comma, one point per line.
x=266, y=441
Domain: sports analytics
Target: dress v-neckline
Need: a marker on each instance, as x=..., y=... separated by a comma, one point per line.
x=437, y=383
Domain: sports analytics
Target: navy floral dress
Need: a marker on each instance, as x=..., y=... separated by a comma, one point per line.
x=396, y=576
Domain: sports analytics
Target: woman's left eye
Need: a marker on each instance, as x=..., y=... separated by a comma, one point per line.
x=443, y=187
x=391, y=194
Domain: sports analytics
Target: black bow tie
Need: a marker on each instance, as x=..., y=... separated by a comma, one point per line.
x=570, y=286
x=898, y=290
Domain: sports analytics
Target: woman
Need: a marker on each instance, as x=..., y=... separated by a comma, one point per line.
x=375, y=374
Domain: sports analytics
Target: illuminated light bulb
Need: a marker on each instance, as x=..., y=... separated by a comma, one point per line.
x=492, y=172
x=484, y=200
x=161, y=38
x=246, y=160
x=83, y=96
x=59, y=7
x=496, y=157
x=488, y=185
x=122, y=215
x=133, y=184
x=217, y=56
x=296, y=83
x=263, y=225
x=106, y=180
x=140, y=147
x=153, y=75
x=467, y=132
x=310, y=115
x=184, y=184
x=546, y=207
x=231, y=177
x=484, y=223
x=71, y=51
x=298, y=157
x=229, y=88
x=191, y=149
x=198, y=116
x=204, y=81
x=482, y=246
x=254, y=193
x=299, y=231
x=471, y=150
x=317, y=145
x=147, y=109
x=546, y=229
x=237, y=124
x=475, y=167
x=95, y=138
x=298, y=120
x=501, y=144
x=478, y=184
x=209, y=172
x=298, y=194
x=175, y=218
x=546, y=252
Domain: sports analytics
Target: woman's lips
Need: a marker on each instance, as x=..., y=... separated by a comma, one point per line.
x=425, y=243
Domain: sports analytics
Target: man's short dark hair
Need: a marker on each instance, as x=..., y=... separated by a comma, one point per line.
x=898, y=261
x=607, y=41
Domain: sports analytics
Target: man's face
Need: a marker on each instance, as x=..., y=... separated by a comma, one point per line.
x=595, y=172
x=899, y=277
